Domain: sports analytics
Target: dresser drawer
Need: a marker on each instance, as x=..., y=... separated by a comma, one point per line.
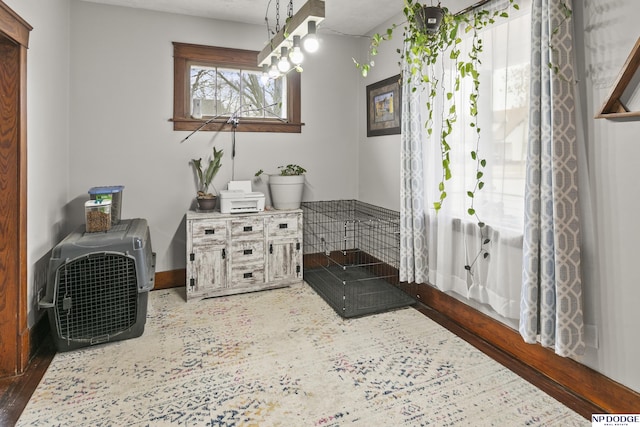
x=247, y=229
x=207, y=232
x=245, y=275
x=251, y=252
x=283, y=226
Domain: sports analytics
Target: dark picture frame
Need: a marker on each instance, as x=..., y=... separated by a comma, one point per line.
x=384, y=105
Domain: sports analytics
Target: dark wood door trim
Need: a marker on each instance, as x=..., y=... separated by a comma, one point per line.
x=14, y=332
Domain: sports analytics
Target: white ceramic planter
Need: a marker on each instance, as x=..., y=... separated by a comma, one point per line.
x=286, y=191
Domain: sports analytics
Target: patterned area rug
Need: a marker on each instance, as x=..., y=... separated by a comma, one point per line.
x=285, y=358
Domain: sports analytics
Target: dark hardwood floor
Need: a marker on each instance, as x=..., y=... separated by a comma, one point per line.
x=16, y=391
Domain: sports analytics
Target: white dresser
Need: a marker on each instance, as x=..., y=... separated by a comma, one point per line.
x=235, y=253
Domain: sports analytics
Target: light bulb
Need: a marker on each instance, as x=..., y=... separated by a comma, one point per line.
x=283, y=64
x=264, y=78
x=274, y=73
x=310, y=41
x=296, y=56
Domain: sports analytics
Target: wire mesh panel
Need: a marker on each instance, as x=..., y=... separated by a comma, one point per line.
x=97, y=297
x=351, y=256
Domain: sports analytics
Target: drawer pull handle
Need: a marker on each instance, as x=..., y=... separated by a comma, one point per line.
x=248, y=228
x=247, y=275
x=248, y=251
x=282, y=226
x=209, y=231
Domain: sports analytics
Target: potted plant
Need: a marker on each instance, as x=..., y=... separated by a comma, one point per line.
x=430, y=32
x=286, y=187
x=428, y=18
x=206, y=200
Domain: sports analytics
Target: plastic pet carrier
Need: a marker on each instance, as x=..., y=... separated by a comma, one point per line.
x=98, y=285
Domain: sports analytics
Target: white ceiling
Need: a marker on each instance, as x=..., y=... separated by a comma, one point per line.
x=353, y=17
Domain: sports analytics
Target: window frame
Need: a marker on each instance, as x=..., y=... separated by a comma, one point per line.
x=185, y=53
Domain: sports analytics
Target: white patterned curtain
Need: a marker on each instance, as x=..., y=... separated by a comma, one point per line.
x=551, y=305
x=413, y=244
x=436, y=248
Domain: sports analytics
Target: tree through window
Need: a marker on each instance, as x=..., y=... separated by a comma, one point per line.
x=227, y=82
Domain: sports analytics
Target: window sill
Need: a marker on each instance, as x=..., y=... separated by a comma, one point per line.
x=244, y=125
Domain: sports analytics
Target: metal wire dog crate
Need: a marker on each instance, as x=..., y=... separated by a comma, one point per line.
x=351, y=256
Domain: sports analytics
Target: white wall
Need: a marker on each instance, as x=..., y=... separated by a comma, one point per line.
x=122, y=99
x=605, y=34
x=47, y=133
x=378, y=156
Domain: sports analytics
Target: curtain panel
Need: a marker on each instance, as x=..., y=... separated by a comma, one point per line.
x=551, y=305
x=413, y=210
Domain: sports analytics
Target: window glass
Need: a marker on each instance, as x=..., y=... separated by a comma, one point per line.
x=503, y=118
x=213, y=82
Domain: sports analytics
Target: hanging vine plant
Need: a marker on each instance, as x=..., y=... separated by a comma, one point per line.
x=430, y=32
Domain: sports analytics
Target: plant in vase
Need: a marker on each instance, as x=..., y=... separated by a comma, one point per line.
x=205, y=199
x=432, y=33
x=286, y=187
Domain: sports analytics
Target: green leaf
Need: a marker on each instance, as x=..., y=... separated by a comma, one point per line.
x=481, y=224
x=479, y=175
x=470, y=194
x=483, y=163
x=480, y=185
x=471, y=211
x=473, y=155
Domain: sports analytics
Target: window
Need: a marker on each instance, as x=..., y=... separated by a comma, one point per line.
x=503, y=107
x=456, y=245
x=227, y=82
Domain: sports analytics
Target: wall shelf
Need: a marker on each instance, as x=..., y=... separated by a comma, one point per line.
x=614, y=108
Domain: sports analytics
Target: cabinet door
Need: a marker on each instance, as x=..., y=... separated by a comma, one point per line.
x=208, y=272
x=284, y=260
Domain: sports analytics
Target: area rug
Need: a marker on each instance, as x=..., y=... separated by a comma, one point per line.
x=284, y=358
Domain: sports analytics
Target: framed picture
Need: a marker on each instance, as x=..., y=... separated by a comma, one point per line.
x=384, y=107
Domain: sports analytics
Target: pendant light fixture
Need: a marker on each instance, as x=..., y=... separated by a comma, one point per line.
x=285, y=49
